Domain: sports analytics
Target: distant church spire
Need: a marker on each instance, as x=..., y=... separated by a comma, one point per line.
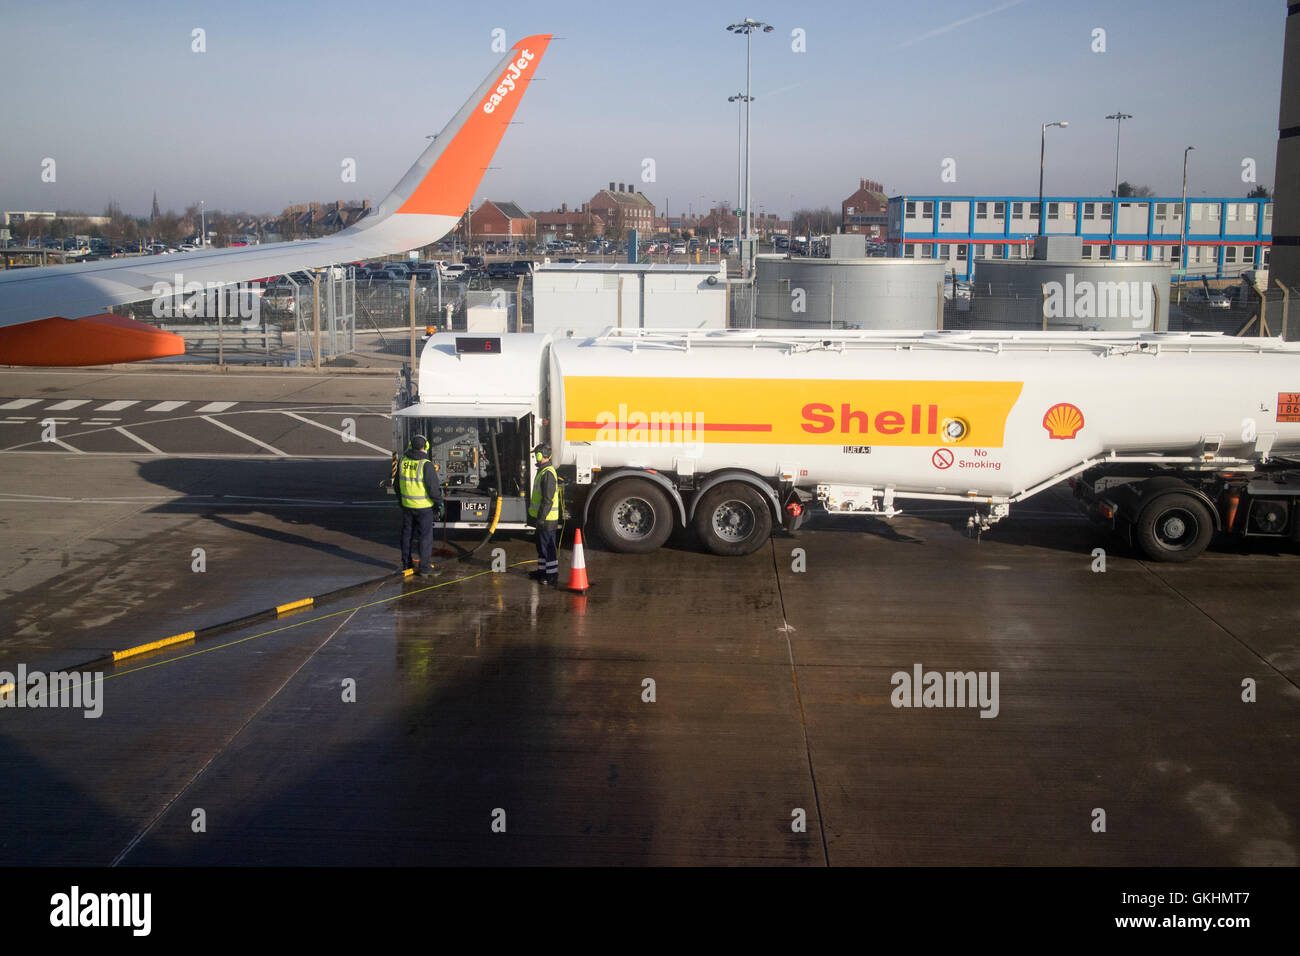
x=155, y=212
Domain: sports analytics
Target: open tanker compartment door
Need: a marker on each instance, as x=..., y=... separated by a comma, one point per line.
x=481, y=454
x=477, y=402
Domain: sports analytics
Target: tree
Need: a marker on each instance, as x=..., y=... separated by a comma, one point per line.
x=1127, y=189
x=815, y=222
x=1259, y=192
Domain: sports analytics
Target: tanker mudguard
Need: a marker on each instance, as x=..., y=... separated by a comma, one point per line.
x=737, y=474
x=658, y=479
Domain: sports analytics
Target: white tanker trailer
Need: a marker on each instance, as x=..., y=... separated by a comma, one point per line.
x=1170, y=436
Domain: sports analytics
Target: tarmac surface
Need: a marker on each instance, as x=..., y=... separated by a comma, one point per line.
x=482, y=719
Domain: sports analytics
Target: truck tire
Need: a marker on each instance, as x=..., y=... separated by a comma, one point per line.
x=1174, y=527
x=733, y=519
x=634, y=516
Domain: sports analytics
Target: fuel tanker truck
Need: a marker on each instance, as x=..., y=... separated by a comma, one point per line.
x=1169, y=437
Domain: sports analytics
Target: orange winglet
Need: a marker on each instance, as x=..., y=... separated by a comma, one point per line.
x=92, y=340
x=448, y=187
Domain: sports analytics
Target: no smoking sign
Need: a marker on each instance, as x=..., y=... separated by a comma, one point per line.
x=941, y=459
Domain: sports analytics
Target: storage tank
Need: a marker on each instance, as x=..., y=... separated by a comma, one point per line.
x=1068, y=296
x=795, y=293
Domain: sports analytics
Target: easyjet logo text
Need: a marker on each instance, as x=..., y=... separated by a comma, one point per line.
x=508, y=80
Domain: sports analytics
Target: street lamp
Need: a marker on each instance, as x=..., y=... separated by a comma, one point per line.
x=203, y=226
x=738, y=99
x=746, y=27
x=1119, y=119
x=1042, y=151
x=1182, y=232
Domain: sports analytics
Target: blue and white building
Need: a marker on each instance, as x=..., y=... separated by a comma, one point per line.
x=1225, y=237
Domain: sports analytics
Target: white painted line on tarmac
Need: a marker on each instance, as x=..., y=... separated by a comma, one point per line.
x=18, y=403
x=165, y=406
x=338, y=433
x=118, y=405
x=236, y=431
x=101, y=421
x=17, y=419
x=63, y=444
x=67, y=405
x=216, y=406
x=139, y=441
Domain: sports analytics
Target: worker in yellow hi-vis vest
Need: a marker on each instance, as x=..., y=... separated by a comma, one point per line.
x=544, y=515
x=419, y=494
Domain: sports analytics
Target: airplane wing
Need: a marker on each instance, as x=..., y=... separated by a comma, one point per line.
x=56, y=315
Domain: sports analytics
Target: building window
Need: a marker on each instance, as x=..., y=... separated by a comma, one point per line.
x=927, y=209
x=1175, y=253
x=1033, y=210
x=1212, y=212
x=1263, y=254
x=1103, y=252
x=1247, y=253
x=961, y=252
x=1208, y=254
x=1089, y=211
x=999, y=210
x=909, y=251
x=943, y=250
x=1053, y=210
x=1087, y=252
x=1106, y=208
x=927, y=250
x=1229, y=255
x=1017, y=210
x=981, y=210
x=945, y=210
x=1232, y=211
x=911, y=210
x=1248, y=212
x=999, y=250
x=1162, y=210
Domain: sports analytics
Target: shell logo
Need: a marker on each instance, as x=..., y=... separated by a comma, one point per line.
x=1063, y=420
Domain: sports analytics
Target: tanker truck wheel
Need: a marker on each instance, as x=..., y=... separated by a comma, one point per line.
x=1174, y=527
x=733, y=519
x=634, y=516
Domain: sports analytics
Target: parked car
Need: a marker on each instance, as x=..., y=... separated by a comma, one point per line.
x=523, y=267
x=455, y=270
x=474, y=262
x=1207, y=298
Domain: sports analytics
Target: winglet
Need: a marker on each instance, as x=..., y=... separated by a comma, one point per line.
x=445, y=177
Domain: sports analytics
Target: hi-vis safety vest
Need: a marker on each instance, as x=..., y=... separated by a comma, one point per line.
x=410, y=478
x=536, y=501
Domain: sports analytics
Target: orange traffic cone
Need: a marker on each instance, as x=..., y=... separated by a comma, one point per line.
x=578, y=572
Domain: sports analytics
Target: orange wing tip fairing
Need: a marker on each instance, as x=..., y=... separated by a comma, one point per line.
x=93, y=340
x=448, y=187
x=1063, y=420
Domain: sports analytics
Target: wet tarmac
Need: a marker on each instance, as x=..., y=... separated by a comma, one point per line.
x=690, y=709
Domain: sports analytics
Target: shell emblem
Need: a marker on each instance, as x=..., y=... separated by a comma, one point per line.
x=1063, y=420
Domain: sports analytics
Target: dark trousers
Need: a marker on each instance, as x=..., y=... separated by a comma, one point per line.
x=417, y=522
x=548, y=553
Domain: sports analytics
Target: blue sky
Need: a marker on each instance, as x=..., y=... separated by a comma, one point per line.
x=884, y=91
